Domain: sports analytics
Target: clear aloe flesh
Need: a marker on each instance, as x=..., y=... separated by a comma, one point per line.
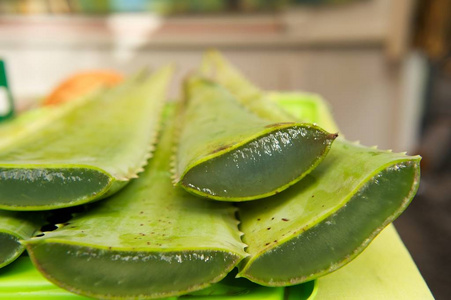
x=328, y=218
x=227, y=153
x=85, y=153
x=13, y=228
x=150, y=240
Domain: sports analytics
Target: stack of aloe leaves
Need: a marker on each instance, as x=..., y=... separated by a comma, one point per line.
x=239, y=178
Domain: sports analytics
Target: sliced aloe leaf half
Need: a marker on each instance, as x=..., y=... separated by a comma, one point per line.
x=88, y=152
x=227, y=153
x=150, y=240
x=14, y=227
x=329, y=217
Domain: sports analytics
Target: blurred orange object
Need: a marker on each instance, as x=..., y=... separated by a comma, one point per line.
x=81, y=84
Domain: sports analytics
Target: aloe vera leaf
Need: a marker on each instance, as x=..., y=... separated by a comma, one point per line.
x=87, y=154
x=308, y=107
x=28, y=123
x=329, y=217
x=275, y=106
x=15, y=226
x=149, y=240
x=227, y=153
x=217, y=68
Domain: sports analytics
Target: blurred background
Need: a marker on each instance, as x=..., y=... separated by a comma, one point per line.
x=384, y=66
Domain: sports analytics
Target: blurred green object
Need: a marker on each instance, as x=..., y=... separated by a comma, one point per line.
x=94, y=7
x=323, y=2
x=6, y=99
x=161, y=7
x=173, y=7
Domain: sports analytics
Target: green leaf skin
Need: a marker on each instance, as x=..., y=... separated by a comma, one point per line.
x=310, y=108
x=31, y=121
x=227, y=153
x=150, y=240
x=14, y=226
x=274, y=106
x=218, y=69
x=88, y=153
x=329, y=217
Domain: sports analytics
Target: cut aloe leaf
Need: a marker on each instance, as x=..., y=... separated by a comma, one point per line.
x=150, y=240
x=15, y=226
x=227, y=153
x=86, y=154
x=329, y=217
x=218, y=69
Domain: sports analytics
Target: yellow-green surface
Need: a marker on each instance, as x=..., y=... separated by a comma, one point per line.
x=384, y=270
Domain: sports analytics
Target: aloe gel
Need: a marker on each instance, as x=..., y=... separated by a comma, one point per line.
x=90, y=150
x=150, y=240
x=227, y=153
